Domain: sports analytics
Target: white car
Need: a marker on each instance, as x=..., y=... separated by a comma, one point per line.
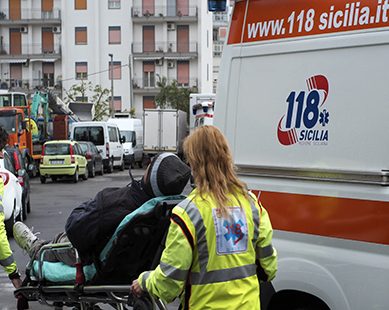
x=13, y=191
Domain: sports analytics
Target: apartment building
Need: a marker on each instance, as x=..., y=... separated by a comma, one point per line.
x=119, y=44
x=96, y=35
x=172, y=39
x=30, y=44
x=219, y=36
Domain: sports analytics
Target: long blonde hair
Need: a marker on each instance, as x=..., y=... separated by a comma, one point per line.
x=208, y=154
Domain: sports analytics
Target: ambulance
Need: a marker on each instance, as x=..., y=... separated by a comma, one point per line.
x=303, y=98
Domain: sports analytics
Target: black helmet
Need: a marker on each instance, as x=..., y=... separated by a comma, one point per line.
x=166, y=175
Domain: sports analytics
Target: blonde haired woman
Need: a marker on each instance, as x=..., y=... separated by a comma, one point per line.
x=217, y=238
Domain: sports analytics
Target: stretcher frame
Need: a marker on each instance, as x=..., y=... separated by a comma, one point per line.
x=86, y=297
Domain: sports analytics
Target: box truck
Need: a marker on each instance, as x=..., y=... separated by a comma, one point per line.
x=164, y=130
x=303, y=99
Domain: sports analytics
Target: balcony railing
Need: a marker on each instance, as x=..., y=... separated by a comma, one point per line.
x=29, y=86
x=29, y=49
x=147, y=82
x=221, y=18
x=218, y=48
x=163, y=12
x=150, y=84
x=164, y=47
x=31, y=14
x=189, y=83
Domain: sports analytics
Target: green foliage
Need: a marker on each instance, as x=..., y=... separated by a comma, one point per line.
x=132, y=112
x=172, y=95
x=100, y=97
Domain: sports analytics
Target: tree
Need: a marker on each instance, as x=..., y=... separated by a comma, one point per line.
x=172, y=95
x=100, y=97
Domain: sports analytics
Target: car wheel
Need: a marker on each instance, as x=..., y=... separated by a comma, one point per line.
x=92, y=172
x=28, y=206
x=54, y=178
x=75, y=176
x=43, y=179
x=110, y=166
x=9, y=224
x=85, y=175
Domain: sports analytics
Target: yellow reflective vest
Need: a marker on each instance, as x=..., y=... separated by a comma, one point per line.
x=212, y=261
x=6, y=257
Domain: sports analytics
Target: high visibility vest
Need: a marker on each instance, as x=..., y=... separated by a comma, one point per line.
x=6, y=258
x=211, y=260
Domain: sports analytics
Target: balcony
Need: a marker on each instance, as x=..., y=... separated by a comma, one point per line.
x=146, y=85
x=31, y=16
x=218, y=48
x=29, y=51
x=30, y=86
x=220, y=19
x=164, y=14
x=180, y=50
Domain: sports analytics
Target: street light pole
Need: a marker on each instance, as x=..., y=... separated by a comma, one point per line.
x=111, y=105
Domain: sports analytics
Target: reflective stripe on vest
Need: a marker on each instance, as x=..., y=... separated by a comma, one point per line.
x=173, y=272
x=7, y=261
x=265, y=251
x=204, y=276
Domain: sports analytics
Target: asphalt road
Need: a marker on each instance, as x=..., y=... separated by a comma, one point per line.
x=51, y=204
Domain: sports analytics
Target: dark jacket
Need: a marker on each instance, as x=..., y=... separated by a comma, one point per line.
x=90, y=225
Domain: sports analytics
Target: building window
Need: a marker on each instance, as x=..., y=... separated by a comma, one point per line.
x=114, y=35
x=148, y=74
x=16, y=75
x=117, y=70
x=117, y=103
x=81, y=35
x=183, y=38
x=113, y=4
x=81, y=70
x=48, y=74
x=148, y=39
x=183, y=73
x=80, y=4
x=149, y=102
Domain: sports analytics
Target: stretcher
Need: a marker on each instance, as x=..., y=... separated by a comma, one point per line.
x=135, y=246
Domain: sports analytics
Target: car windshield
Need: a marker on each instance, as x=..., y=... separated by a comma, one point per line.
x=92, y=134
x=57, y=149
x=5, y=100
x=128, y=134
x=8, y=122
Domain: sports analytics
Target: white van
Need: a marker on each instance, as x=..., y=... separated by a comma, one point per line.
x=131, y=132
x=106, y=137
x=303, y=99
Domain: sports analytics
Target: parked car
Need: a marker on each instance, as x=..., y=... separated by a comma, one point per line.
x=106, y=137
x=21, y=169
x=12, y=201
x=94, y=158
x=62, y=158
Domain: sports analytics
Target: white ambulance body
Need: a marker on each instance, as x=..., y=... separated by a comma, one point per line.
x=201, y=109
x=303, y=98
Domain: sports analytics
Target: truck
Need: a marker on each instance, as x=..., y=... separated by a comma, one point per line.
x=29, y=124
x=164, y=131
x=302, y=98
x=131, y=133
x=201, y=109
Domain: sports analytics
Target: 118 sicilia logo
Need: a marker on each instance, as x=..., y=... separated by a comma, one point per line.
x=306, y=119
